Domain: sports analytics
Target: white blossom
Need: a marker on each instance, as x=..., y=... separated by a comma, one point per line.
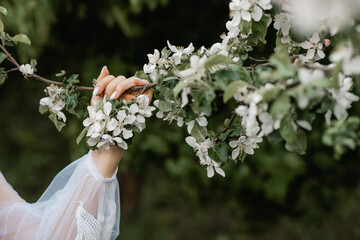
x=197, y=67
x=170, y=116
x=118, y=125
x=54, y=102
x=250, y=9
x=314, y=49
x=345, y=52
x=184, y=96
x=343, y=97
x=282, y=21
x=308, y=77
x=201, y=150
x=151, y=67
x=144, y=107
x=268, y=123
x=26, y=69
x=106, y=128
x=201, y=120
x=245, y=144
x=178, y=52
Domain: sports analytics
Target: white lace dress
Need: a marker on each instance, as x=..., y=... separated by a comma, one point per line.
x=79, y=204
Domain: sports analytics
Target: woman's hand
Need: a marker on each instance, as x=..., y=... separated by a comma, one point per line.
x=108, y=160
x=115, y=87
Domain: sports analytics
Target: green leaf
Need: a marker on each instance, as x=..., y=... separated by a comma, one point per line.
x=167, y=93
x=274, y=137
x=3, y=56
x=281, y=106
x=3, y=77
x=170, y=78
x=3, y=10
x=270, y=94
x=58, y=124
x=288, y=129
x=61, y=74
x=281, y=60
x=33, y=63
x=237, y=132
x=244, y=74
x=165, y=106
x=335, y=75
x=245, y=27
x=232, y=88
x=299, y=145
x=1, y=27
x=81, y=135
x=180, y=87
x=43, y=109
x=224, y=135
x=219, y=153
x=73, y=79
x=199, y=132
x=99, y=106
x=21, y=38
x=218, y=59
x=210, y=95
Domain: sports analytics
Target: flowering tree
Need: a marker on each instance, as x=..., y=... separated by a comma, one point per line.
x=309, y=75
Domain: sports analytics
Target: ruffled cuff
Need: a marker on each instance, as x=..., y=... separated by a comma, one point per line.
x=95, y=171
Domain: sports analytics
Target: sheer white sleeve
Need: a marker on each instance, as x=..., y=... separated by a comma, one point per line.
x=79, y=204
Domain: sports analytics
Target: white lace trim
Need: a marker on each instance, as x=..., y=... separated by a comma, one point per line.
x=91, y=229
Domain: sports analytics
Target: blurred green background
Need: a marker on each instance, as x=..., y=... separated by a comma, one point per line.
x=165, y=193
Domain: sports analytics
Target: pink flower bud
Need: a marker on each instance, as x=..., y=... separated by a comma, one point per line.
x=327, y=42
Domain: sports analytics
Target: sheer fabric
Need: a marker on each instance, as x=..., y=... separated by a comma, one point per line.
x=79, y=204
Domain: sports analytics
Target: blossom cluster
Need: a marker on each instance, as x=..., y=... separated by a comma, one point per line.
x=108, y=126
x=256, y=112
x=55, y=101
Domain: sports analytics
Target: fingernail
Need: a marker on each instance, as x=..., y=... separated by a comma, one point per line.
x=104, y=67
x=96, y=90
x=137, y=78
x=113, y=95
x=95, y=103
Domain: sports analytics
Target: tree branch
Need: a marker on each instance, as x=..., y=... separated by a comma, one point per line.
x=265, y=63
x=48, y=81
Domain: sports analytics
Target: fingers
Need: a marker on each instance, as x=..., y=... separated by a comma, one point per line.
x=116, y=87
x=110, y=89
x=125, y=85
x=101, y=85
x=103, y=73
x=138, y=81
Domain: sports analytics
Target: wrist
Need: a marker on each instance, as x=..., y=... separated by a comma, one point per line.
x=107, y=160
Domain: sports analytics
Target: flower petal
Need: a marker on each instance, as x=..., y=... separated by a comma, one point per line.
x=220, y=171
x=210, y=171
x=191, y=141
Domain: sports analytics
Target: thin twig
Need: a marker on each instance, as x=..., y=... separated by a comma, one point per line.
x=265, y=63
x=262, y=60
x=10, y=70
x=232, y=117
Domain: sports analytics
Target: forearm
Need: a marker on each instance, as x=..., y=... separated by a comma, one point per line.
x=107, y=160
